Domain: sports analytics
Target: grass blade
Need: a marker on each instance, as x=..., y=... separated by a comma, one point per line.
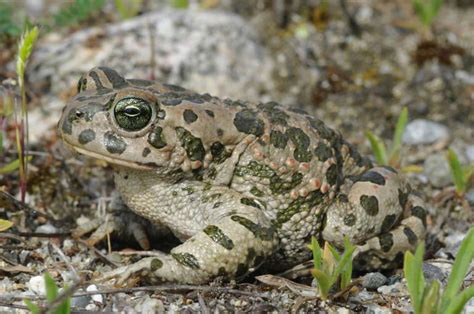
x=459, y=270
x=412, y=268
x=456, y=172
x=397, y=136
x=324, y=282
x=51, y=288
x=457, y=304
x=431, y=298
x=378, y=147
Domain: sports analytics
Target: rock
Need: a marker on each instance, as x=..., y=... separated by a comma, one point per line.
x=372, y=281
x=36, y=284
x=98, y=298
x=436, y=168
x=397, y=289
x=207, y=51
x=377, y=309
x=46, y=228
x=421, y=131
x=432, y=272
x=470, y=153
x=80, y=302
x=470, y=197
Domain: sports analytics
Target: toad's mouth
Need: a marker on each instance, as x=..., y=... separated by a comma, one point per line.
x=115, y=161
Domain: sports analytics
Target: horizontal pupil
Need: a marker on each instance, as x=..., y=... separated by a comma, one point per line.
x=132, y=111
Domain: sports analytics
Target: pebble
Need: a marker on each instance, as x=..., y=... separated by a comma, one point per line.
x=46, y=228
x=470, y=153
x=421, y=131
x=372, y=281
x=436, y=168
x=432, y=272
x=95, y=297
x=36, y=284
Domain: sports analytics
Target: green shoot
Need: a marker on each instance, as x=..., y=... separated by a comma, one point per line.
x=427, y=10
x=12, y=166
x=77, y=12
x=24, y=51
x=180, y=4
x=427, y=298
x=392, y=158
x=52, y=292
x=461, y=175
x=331, y=267
x=128, y=8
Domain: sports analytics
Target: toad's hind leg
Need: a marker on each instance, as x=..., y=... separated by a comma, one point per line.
x=235, y=237
x=379, y=214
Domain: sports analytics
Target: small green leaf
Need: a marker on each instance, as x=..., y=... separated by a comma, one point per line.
x=430, y=299
x=324, y=282
x=397, y=137
x=456, y=172
x=378, y=147
x=412, y=268
x=180, y=4
x=5, y=224
x=317, y=253
x=460, y=267
x=457, y=303
x=34, y=308
x=12, y=166
x=51, y=288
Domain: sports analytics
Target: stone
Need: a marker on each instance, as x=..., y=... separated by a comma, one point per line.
x=436, y=168
x=372, y=281
x=422, y=132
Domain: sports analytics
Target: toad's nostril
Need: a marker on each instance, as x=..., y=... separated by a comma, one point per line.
x=79, y=114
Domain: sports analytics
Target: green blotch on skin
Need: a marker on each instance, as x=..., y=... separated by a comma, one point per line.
x=251, y=202
x=246, y=121
x=155, y=264
x=301, y=141
x=278, y=139
x=156, y=138
x=218, y=236
x=323, y=152
x=386, y=241
x=191, y=144
x=299, y=205
x=258, y=231
x=219, y=153
x=86, y=136
x=277, y=184
x=370, y=203
x=211, y=198
x=113, y=143
x=242, y=269
x=186, y=259
x=255, y=191
x=275, y=115
x=332, y=174
x=350, y=220
x=189, y=190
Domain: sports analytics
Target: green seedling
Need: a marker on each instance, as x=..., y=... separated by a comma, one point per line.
x=392, y=158
x=128, y=8
x=52, y=292
x=25, y=48
x=331, y=267
x=180, y=4
x=427, y=10
x=461, y=175
x=428, y=298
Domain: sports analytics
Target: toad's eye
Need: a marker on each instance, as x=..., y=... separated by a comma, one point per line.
x=132, y=114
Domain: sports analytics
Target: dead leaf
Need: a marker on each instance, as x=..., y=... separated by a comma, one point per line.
x=296, y=288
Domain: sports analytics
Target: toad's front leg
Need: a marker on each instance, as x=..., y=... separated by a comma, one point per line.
x=236, y=237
